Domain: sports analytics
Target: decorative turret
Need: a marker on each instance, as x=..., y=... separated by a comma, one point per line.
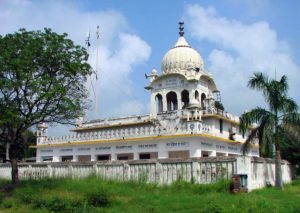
x=41, y=133
x=152, y=76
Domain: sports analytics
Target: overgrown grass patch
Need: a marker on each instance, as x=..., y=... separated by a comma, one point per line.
x=93, y=194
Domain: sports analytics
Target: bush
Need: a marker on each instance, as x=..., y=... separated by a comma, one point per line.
x=212, y=207
x=58, y=204
x=2, y=196
x=98, y=199
x=7, y=203
x=220, y=186
x=53, y=202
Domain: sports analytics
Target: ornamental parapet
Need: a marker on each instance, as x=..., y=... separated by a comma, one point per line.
x=134, y=127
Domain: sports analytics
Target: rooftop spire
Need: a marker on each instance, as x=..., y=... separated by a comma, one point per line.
x=181, y=28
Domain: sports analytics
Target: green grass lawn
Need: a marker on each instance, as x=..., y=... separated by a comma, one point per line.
x=95, y=195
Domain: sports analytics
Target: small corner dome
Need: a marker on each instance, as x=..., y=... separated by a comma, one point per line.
x=154, y=71
x=181, y=57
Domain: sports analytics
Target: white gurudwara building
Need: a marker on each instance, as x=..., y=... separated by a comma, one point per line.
x=185, y=120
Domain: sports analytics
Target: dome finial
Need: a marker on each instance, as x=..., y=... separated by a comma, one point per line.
x=181, y=28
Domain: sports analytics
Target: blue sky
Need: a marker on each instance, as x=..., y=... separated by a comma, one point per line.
x=234, y=38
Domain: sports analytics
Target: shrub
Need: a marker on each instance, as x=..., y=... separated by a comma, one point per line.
x=55, y=204
x=7, y=203
x=212, y=207
x=220, y=186
x=2, y=196
x=98, y=198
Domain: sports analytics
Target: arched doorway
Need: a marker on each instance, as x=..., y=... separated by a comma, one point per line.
x=203, y=97
x=172, y=103
x=158, y=103
x=185, y=98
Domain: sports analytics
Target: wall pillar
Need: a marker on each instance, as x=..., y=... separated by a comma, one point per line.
x=153, y=105
x=192, y=95
x=93, y=157
x=243, y=167
x=113, y=157
x=179, y=102
x=56, y=158
x=164, y=100
x=75, y=158
x=213, y=154
x=195, y=153
x=196, y=171
x=162, y=154
x=38, y=159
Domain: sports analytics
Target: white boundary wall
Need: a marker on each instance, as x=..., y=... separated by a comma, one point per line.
x=259, y=171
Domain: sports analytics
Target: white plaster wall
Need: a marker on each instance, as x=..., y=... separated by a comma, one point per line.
x=201, y=170
x=162, y=146
x=261, y=172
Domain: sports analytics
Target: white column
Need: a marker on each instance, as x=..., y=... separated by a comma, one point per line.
x=56, y=158
x=164, y=100
x=113, y=156
x=162, y=154
x=38, y=159
x=135, y=156
x=179, y=102
x=153, y=105
x=195, y=153
x=213, y=154
x=192, y=95
x=75, y=158
x=93, y=157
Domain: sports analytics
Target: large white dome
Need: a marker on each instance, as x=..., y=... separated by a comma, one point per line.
x=181, y=57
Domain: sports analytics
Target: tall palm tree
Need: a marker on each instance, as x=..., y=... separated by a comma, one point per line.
x=281, y=115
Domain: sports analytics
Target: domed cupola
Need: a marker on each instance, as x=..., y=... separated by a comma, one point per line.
x=181, y=57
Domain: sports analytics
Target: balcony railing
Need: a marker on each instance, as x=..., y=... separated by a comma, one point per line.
x=215, y=111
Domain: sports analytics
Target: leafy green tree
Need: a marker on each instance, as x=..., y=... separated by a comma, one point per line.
x=26, y=151
x=30, y=140
x=282, y=115
x=2, y=152
x=42, y=76
x=219, y=105
x=291, y=148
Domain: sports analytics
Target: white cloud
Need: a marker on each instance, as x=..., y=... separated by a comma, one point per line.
x=133, y=107
x=120, y=51
x=114, y=71
x=239, y=50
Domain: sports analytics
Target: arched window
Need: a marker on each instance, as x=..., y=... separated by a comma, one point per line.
x=172, y=101
x=159, y=103
x=203, y=97
x=185, y=98
x=197, y=95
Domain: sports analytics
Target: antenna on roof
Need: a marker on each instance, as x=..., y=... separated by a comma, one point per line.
x=97, y=70
x=88, y=44
x=87, y=40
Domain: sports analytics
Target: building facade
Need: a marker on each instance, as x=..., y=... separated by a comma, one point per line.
x=186, y=120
